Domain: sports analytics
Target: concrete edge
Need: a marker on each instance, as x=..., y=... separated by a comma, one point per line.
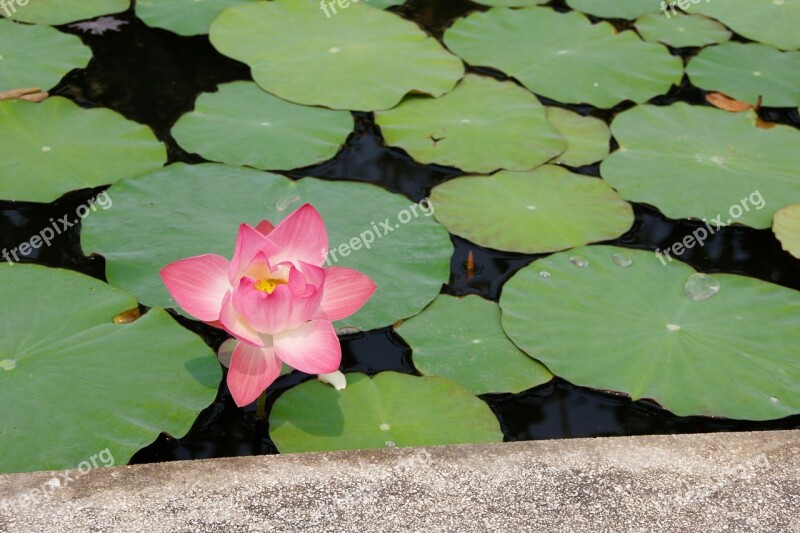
x=706, y=482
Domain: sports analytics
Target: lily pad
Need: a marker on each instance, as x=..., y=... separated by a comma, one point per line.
x=747, y=71
x=381, y=54
x=243, y=125
x=461, y=339
x=511, y=3
x=588, y=138
x=618, y=9
x=772, y=22
x=182, y=17
x=197, y=209
x=389, y=410
x=37, y=56
x=702, y=162
x=482, y=126
x=55, y=147
x=546, y=210
x=73, y=383
x=681, y=30
x=787, y=228
x=634, y=329
x=55, y=12
x=383, y=4
x=538, y=45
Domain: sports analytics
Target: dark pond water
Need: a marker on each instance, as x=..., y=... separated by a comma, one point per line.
x=153, y=77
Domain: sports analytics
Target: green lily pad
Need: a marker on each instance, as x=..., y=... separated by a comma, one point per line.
x=731, y=353
x=538, y=45
x=197, y=209
x=182, y=17
x=381, y=54
x=702, y=162
x=37, y=56
x=546, y=210
x=773, y=22
x=618, y=9
x=511, y=3
x=55, y=147
x=681, y=30
x=243, y=125
x=787, y=228
x=73, y=383
x=380, y=4
x=55, y=12
x=389, y=410
x=747, y=71
x=482, y=126
x=461, y=339
x=588, y=138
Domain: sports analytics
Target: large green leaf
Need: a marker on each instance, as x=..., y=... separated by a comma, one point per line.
x=681, y=30
x=197, y=209
x=588, y=138
x=361, y=58
x=701, y=162
x=772, y=22
x=634, y=329
x=73, y=383
x=538, y=45
x=182, y=17
x=482, y=126
x=545, y=210
x=243, y=125
x=389, y=410
x=37, y=56
x=622, y=9
x=55, y=12
x=747, y=71
x=511, y=3
x=54, y=147
x=461, y=339
x=787, y=228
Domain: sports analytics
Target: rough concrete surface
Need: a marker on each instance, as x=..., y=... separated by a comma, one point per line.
x=722, y=482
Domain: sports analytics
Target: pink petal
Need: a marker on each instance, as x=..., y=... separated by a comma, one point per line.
x=235, y=324
x=252, y=370
x=265, y=227
x=301, y=237
x=287, y=307
x=312, y=348
x=249, y=243
x=346, y=290
x=198, y=284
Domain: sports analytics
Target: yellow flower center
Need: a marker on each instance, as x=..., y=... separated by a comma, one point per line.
x=269, y=285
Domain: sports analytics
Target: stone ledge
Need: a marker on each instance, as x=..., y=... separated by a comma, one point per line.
x=712, y=482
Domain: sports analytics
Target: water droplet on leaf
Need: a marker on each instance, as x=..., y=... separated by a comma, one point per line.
x=579, y=262
x=389, y=444
x=622, y=259
x=544, y=274
x=8, y=364
x=700, y=287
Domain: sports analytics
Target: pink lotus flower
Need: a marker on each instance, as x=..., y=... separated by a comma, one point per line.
x=274, y=297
